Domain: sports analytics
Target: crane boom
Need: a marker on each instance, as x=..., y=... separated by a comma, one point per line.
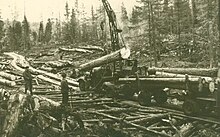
x=112, y=25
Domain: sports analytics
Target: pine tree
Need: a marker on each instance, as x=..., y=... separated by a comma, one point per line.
x=17, y=34
x=26, y=34
x=1, y=29
x=124, y=14
x=73, y=26
x=58, y=30
x=48, y=31
x=134, y=16
x=41, y=32
x=34, y=35
x=94, y=32
x=67, y=13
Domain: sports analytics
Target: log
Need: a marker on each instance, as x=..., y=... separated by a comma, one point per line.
x=55, y=82
x=58, y=64
x=75, y=50
x=134, y=125
x=90, y=47
x=48, y=69
x=92, y=101
x=117, y=110
x=25, y=111
x=152, y=117
x=97, y=120
x=21, y=59
x=117, y=55
x=190, y=71
x=15, y=109
x=161, y=128
x=8, y=76
x=176, y=83
x=7, y=82
x=44, y=54
x=4, y=63
x=173, y=75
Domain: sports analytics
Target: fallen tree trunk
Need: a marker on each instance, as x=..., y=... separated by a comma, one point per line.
x=55, y=82
x=44, y=54
x=117, y=55
x=8, y=76
x=20, y=106
x=75, y=50
x=134, y=125
x=152, y=117
x=7, y=82
x=19, y=58
x=189, y=71
x=90, y=47
x=173, y=75
x=15, y=110
x=177, y=83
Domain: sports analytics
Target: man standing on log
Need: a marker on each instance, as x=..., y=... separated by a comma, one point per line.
x=27, y=80
x=64, y=90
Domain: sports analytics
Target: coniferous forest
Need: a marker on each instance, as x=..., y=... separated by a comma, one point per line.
x=186, y=29
x=148, y=69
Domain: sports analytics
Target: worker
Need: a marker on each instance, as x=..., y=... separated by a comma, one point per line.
x=27, y=80
x=64, y=90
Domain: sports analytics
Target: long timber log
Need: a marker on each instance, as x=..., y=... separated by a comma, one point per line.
x=15, y=107
x=75, y=50
x=55, y=82
x=173, y=75
x=190, y=71
x=8, y=76
x=179, y=83
x=19, y=105
x=90, y=47
x=23, y=62
x=117, y=55
x=7, y=82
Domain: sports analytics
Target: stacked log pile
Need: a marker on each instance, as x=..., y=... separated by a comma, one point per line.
x=88, y=114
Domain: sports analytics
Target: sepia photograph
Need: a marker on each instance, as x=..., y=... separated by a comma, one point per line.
x=109, y=68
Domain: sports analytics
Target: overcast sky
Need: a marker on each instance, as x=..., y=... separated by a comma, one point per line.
x=37, y=10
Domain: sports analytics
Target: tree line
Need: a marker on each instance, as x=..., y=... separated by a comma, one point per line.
x=187, y=29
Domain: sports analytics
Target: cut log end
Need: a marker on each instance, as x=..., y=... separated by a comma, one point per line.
x=125, y=53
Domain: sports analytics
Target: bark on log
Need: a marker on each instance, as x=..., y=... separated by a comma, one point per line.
x=15, y=110
x=90, y=47
x=116, y=110
x=44, y=54
x=20, y=105
x=173, y=75
x=117, y=55
x=75, y=50
x=19, y=58
x=58, y=64
x=151, y=118
x=8, y=76
x=49, y=69
x=7, y=82
x=177, y=83
x=4, y=63
x=55, y=82
x=189, y=71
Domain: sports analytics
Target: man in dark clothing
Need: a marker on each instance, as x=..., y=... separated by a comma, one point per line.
x=64, y=90
x=28, y=80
